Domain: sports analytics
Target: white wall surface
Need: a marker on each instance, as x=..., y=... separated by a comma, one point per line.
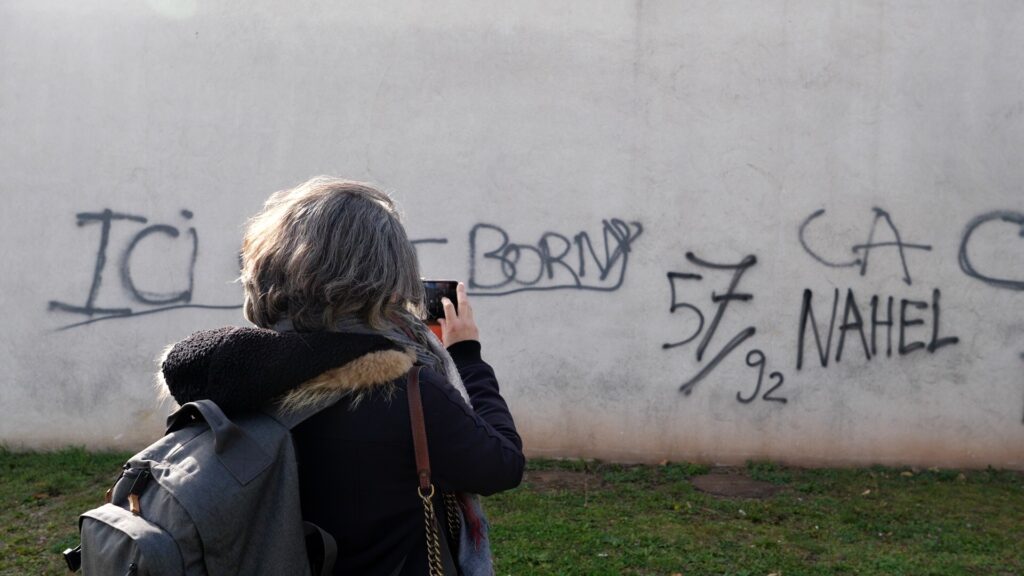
x=787, y=134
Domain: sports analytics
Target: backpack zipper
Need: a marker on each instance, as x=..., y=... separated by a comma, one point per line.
x=137, y=487
x=110, y=491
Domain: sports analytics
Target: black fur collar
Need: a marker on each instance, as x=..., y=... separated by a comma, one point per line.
x=242, y=369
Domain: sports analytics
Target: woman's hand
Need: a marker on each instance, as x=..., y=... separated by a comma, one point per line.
x=458, y=326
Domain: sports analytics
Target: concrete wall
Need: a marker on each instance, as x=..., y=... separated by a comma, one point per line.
x=661, y=207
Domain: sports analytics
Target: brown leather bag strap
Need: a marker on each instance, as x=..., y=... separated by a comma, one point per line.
x=419, y=430
x=439, y=556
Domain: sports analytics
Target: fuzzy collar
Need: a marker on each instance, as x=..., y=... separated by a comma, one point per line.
x=244, y=369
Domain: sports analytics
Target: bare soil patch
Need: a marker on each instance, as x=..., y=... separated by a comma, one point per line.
x=732, y=483
x=552, y=480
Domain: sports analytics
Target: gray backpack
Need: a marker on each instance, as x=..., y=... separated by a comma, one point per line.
x=212, y=497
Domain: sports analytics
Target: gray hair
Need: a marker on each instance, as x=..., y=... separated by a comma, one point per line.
x=325, y=250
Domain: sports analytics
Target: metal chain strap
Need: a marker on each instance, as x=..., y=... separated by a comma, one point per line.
x=454, y=514
x=433, y=536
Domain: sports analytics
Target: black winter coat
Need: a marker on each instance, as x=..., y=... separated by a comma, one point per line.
x=358, y=469
x=356, y=461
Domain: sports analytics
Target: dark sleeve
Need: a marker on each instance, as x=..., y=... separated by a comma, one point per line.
x=471, y=450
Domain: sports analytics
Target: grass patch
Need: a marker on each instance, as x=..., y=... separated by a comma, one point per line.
x=592, y=518
x=43, y=493
x=650, y=520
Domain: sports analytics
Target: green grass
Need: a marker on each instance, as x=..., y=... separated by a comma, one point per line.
x=649, y=520
x=42, y=495
x=589, y=518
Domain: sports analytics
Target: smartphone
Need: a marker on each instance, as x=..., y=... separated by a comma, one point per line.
x=433, y=291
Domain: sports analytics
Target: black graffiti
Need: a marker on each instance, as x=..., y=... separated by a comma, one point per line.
x=722, y=300
x=756, y=359
x=416, y=244
x=853, y=320
x=864, y=250
x=498, y=267
x=1015, y=218
x=419, y=241
x=170, y=300
x=676, y=304
x=152, y=297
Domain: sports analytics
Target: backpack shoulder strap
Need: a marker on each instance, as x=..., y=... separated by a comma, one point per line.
x=321, y=549
x=292, y=418
x=235, y=448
